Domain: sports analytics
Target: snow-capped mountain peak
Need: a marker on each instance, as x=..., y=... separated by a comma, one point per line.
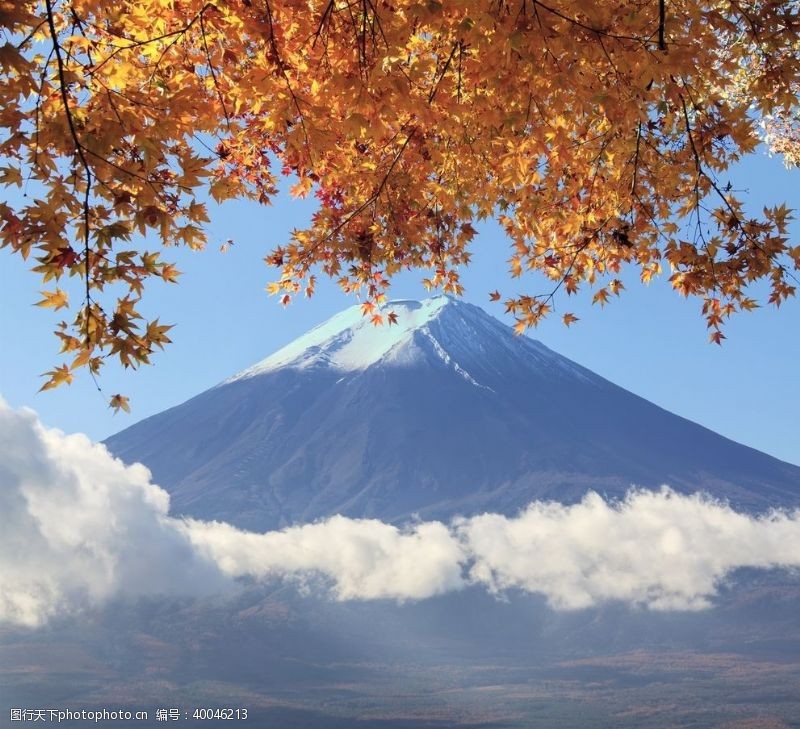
x=441, y=329
x=446, y=412
x=349, y=341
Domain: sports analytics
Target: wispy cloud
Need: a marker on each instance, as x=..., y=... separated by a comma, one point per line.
x=78, y=527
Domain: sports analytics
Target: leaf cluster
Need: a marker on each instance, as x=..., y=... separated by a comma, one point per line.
x=598, y=134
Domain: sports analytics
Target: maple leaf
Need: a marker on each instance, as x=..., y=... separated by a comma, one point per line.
x=10, y=176
x=302, y=188
x=58, y=376
x=407, y=137
x=569, y=319
x=65, y=258
x=81, y=359
x=156, y=333
x=54, y=299
x=119, y=402
x=600, y=297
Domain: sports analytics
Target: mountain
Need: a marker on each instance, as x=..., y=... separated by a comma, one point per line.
x=447, y=412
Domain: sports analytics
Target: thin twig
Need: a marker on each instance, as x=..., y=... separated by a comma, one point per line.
x=213, y=73
x=432, y=94
x=84, y=162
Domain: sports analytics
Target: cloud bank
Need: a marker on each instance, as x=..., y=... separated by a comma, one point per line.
x=78, y=527
x=360, y=559
x=658, y=549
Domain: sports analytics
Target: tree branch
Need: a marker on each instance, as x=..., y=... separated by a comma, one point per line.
x=84, y=162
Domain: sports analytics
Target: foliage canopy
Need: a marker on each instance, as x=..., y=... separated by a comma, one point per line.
x=597, y=132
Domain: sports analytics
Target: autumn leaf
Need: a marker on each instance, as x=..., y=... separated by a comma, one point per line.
x=600, y=297
x=119, y=402
x=596, y=137
x=156, y=333
x=53, y=299
x=302, y=188
x=569, y=319
x=82, y=359
x=10, y=176
x=616, y=287
x=58, y=376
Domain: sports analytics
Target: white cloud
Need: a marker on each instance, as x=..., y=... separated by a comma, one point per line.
x=363, y=559
x=78, y=527
x=658, y=549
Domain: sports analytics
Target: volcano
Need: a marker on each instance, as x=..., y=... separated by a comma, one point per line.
x=447, y=412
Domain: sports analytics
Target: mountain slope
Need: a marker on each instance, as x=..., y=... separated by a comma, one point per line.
x=447, y=412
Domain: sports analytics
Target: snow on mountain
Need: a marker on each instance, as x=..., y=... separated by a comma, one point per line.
x=349, y=342
x=446, y=412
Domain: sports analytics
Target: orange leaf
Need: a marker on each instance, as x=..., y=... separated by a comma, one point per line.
x=58, y=376
x=120, y=402
x=53, y=299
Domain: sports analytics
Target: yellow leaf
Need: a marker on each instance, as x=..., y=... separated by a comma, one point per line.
x=82, y=359
x=57, y=376
x=53, y=299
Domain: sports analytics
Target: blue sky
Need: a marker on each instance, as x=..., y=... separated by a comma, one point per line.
x=650, y=341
